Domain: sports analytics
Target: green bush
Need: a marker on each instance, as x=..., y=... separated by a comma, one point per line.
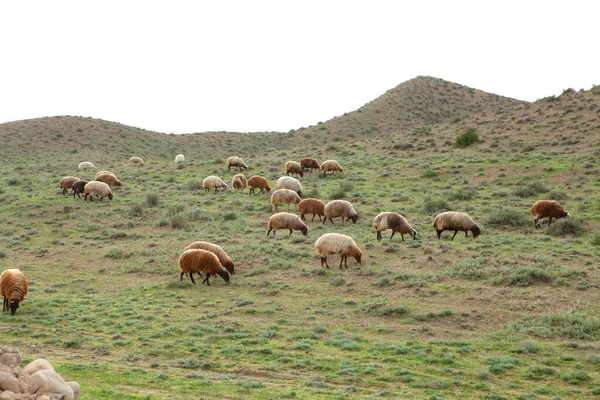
x=566, y=227
x=434, y=206
x=504, y=217
x=152, y=199
x=467, y=138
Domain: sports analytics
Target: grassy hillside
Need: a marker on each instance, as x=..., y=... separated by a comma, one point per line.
x=512, y=314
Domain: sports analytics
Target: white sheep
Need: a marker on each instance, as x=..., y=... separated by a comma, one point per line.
x=96, y=188
x=336, y=243
x=213, y=182
x=236, y=162
x=287, y=182
x=340, y=208
x=455, y=221
x=285, y=196
x=395, y=222
x=285, y=220
x=136, y=160
x=86, y=165
x=179, y=158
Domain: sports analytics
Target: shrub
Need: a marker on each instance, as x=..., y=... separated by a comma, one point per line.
x=178, y=221
x=567, y=226
x=467, y=138
x=152, y=199
x=434, y=206
x=230, y=216
x=195, y=184
x=504, y=217
x=136, y=210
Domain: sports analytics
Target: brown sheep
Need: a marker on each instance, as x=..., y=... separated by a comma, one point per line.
x=547, y=209
x=455, y=221
x=285, y=220
x=109, y=179
x=311, y=206
x=224, y=259
x=103, y=173
x=310, y=163
x=335, y=243
x=258, y=182
x=13, y=287
x=201, y=261
x=239, y=182
x=340, y=208
x=66, y=183
x=330, y=165
x=136, y=160
x=395, y=222
x=292, y=167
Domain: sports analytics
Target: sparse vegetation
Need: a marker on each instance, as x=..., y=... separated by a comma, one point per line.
x=467, y=138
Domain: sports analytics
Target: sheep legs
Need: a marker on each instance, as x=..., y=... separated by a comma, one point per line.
x=439, y=233
x=379, y=235
x=324, y=260
x=206, y=280
x=5, y=304
x=455, y=232
x=345, y=260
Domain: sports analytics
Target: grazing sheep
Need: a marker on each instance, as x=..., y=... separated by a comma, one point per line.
x=395, y=222
x=179, y=158
x=103, y=173
x=109, y=179
x=455, y=221
x=203, y=262
x=311, y=163
x=86, y=165
x=335, y=243
x=258, y=182
x=239, y=182
x=13, y=287
x=78, y=187
x=213, y=182
x=292, y=167
x=136, y=160
x=547, y=209
x=287, y=182
x=330, y=165
x=311, y=206
x=66, y=183
x=340, y=208
x=285, y=220
x=285, y=196
x=236, y=162
x=96, y=188
x=224, y=259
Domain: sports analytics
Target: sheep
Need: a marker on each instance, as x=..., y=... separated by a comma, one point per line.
x=109, y=179
x=455, y=221
x=224, y=259
x=136, y=160
x=239, y=181
x=86, y=165
x=395, y=222
x=340, y=208
x=78, y=187
x=201, y=261
x=310, y=163
x=330, y=165
x=66, y=183
x=285, y=220
x=292, y=167
x=547, y=209
x=96, y=188
x=179, y=158
x=258, y=182
x=286, y=196
x=311, y=206
x=213, y=182
x=287, y=182
x=103, y=173
x=236, y=162
x=13, y=287
x=335, y=243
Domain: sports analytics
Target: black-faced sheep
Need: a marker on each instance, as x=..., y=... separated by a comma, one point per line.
x=13, y=288
x=340, y=208
x=311, y=206
x=86, y=165
x=213, y=182
x=285, y=220
x=202, y=262
x=136, y=160
x=258, y=182
x=110, y=179
x=287, y=182
x=285, y=196
x=236, y=162
x=455, y=221
x=95, y=188
x=239, y=182
x=330, y=165
x=547, y=209
x=335, y=243
x=179, y=158
x=66, y=183
x=78, y=187
x=224, y=259
x=292, y=167
x=395, y=222
x=311, y=163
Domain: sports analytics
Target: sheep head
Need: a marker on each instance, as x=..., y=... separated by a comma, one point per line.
x=13, y=304
x=476, y=231
x=225, y=275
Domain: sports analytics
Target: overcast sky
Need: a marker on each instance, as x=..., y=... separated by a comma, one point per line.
x=252, y=65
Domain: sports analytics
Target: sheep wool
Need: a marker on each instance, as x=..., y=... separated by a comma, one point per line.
x=103, y=173
x=236, y=162
x=66, y=183
x=330, y=166
x=179, y=158
x=13, y=288
x=311, y=163
x=455, y=221
x=340, y=208
x=292, y=167
x=86, y=165
x=224, y=259
x=109, y=179
x=258, y=182
x=78, y=187
x=336, y=243
x=202, y=262
x=136, y=160
x=284, y=196
x=285, y=220
x=311, y=206
x=96, y=188
x=213, y=182
x=547, y=209
x=394, y=221
x=239, y=182
x=287, y=182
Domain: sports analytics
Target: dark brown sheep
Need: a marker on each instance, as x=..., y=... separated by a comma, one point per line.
x=547, y=209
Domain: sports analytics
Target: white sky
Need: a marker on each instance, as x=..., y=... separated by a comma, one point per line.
x=252, y=65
